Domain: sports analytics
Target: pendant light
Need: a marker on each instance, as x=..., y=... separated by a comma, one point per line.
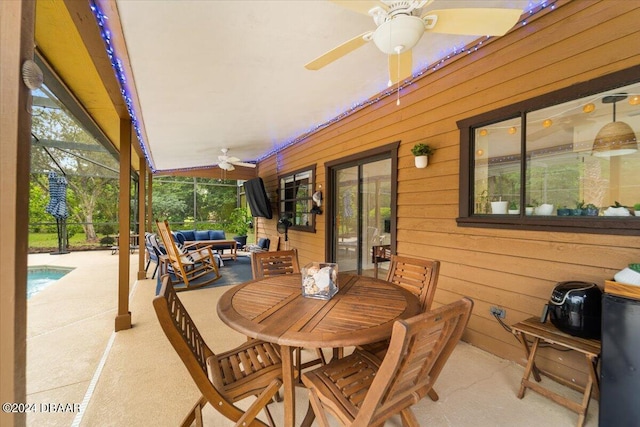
x=615, y=138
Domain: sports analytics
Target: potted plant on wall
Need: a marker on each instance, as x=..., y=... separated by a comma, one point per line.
x=421, y=152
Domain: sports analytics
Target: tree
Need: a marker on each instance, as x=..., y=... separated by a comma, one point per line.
x=91, y=174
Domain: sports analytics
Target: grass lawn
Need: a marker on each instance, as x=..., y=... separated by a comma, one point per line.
x=50, y=240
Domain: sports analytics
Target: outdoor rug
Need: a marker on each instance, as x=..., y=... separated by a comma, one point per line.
x=232, y=273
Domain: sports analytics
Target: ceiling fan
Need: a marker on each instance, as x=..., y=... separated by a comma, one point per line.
x=400, y=25
x=227, y=163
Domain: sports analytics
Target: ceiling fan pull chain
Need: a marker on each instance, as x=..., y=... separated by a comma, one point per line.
x=398, y=48
x=389, y=58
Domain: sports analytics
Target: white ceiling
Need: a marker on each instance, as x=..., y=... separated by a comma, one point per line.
x=216, y=74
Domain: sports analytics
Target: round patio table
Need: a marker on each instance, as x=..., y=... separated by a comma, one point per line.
x=274, y=310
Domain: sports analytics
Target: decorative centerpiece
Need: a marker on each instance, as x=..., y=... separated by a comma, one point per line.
x=320, y=280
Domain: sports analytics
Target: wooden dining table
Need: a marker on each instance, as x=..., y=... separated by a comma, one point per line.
x=274, y=310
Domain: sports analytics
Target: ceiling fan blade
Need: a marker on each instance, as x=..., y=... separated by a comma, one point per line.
x=226, y=166
x=244, y=164
x=360, y=6
x=400, y=66
x=232, y=159
x=474, y=22
x=338, y=52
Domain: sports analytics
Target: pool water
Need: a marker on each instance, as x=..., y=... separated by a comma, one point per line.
x=40, y=277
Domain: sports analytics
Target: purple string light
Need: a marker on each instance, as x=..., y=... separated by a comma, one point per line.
x=118, y=68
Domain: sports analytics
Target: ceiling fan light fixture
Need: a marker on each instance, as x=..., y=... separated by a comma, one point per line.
x=615, y=138
x=402, y=31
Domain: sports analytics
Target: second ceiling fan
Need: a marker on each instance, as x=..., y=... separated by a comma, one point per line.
x=401, y=24
x=228, y=163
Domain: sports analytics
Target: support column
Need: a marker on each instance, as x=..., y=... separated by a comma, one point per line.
x=123, y=319
x=150, y=201
x=142, y=184
x=16, y=46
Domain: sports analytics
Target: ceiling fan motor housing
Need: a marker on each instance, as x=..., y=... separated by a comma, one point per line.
x=402, y=31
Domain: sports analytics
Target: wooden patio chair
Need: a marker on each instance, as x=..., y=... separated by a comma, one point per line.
x=361, y=390
x=418, y=276
x=190, y=268
x=267, y=264
x=252, y=369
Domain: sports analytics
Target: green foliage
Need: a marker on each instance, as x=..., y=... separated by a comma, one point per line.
x=106, y=229
x=169, y=206
x=38, y=200
x=239, y=221
x=107, y=241
x=91, y=171
x=421, y=149
x=173, y=199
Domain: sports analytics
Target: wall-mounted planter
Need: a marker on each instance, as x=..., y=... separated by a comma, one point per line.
x=421, y=152
x=421, y=161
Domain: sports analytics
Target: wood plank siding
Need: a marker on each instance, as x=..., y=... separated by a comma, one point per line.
x=517, y=270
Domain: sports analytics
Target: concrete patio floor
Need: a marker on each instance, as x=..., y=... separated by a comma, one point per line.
x=134, y=377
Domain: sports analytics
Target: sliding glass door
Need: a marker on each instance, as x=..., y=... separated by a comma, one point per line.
x=363, y=211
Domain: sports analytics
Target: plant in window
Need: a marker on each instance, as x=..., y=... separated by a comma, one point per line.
x=482, y=203
x=591, y=210
x=421, y=152
x=499, y=206
x=617, y=210
x=513, y=207
x=578, y=210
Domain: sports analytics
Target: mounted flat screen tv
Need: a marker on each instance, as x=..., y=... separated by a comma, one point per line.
x=257, y=198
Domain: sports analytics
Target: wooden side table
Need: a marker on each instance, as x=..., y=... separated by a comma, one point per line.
x=549, y=333
x=218, y=246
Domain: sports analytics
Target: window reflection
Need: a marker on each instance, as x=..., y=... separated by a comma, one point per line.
x=563, y=173
x=296, y=203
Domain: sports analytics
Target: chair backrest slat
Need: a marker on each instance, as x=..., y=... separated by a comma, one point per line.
x=267, y=264
x=185, y=337
x=167, y=239
x=419, y=349
x=418, y=276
